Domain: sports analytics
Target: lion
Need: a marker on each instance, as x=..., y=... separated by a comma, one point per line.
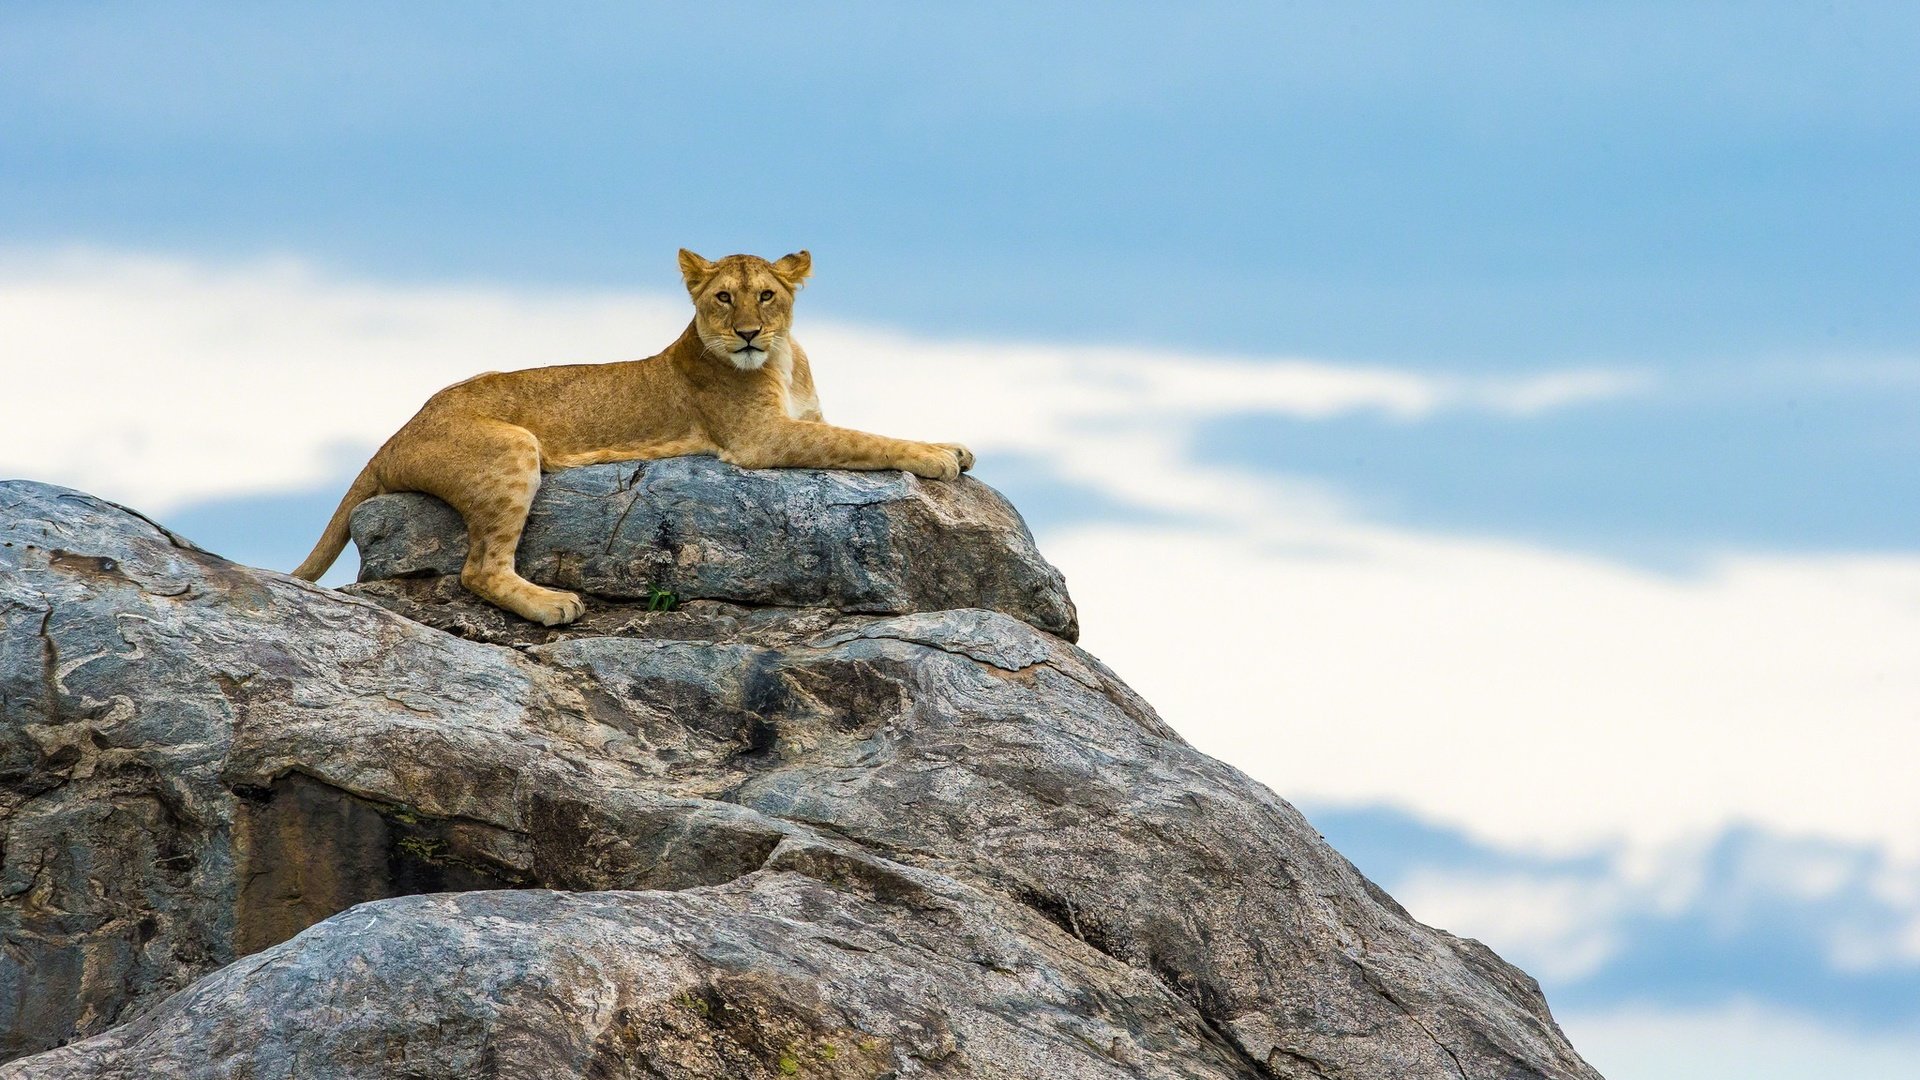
x=735, y=385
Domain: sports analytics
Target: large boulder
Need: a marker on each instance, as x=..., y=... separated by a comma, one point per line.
x=880, y=542
x=726, y=840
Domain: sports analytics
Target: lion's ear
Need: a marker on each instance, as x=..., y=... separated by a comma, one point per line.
x=795, y=268
x=694, y=269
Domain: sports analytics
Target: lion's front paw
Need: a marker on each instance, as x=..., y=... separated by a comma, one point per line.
x=936, y=462
x=965, y=455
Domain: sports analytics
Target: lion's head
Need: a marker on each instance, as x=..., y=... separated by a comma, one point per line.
x=743, y=304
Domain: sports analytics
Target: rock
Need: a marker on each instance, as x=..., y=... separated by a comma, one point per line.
x=773, y=975
x=727, y=840
x=878, y=542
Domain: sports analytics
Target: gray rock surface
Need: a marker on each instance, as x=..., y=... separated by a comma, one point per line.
x=774, y=974
x=720, y=841
x=879, y=542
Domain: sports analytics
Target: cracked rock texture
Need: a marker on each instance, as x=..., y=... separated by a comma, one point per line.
x=255, y=828
x=885, y=543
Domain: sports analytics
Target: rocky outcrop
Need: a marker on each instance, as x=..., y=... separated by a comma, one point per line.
x=257, y=828
x=876, y=542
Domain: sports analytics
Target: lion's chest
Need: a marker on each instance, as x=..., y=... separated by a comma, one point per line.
x=781, y=364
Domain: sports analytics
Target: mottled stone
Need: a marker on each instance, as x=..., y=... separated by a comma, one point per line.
x=713, y=842
x=794, y=970
x=876, y=542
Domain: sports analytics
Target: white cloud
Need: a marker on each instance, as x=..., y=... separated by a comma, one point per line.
x=1558, y=927
x=1535, y=698
x=1567, y=920
x=1530, y=696
x=1735, y=1042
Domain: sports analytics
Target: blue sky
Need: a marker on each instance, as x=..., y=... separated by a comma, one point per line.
x=1746, y=458
x=1427, y=205
x=1740, y=937
x=1460, y=183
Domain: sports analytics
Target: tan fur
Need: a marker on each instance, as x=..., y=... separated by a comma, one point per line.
x=735, y=385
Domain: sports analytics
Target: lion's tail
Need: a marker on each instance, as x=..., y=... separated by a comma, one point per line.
x=334, y=540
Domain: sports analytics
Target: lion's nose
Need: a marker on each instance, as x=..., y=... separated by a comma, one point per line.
x=747, y=335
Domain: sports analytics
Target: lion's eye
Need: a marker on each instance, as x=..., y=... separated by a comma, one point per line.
x=724, y=297
x=766, y=295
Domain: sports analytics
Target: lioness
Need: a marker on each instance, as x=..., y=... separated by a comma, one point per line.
x=735, y=384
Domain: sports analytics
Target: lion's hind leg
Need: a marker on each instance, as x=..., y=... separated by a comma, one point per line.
x=490, y=476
